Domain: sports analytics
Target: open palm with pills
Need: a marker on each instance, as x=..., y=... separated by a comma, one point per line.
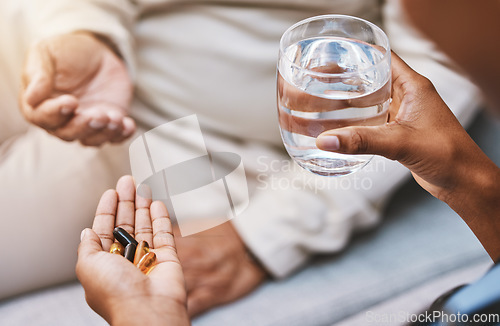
x=114, y=287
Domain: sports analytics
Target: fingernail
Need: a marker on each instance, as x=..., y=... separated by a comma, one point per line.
x=96, y=124
x=113, y=125
x=82, y=235
x=128, y=127
x=329, y=143
x=66, y=111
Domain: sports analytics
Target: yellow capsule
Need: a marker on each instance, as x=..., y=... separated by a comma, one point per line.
x=147, y=262
x=142, y=249
x=117, y=248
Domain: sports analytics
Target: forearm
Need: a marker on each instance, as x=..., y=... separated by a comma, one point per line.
x=477, y=200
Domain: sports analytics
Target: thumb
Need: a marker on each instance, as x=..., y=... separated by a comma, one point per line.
x=90, y=243
x=38, y=76
x=386, y=140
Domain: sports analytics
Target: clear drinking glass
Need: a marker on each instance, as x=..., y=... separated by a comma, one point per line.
x=333, y=71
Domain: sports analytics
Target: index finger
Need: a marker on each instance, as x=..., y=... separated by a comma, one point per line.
x=104, y=221
x=52, y=113
x=402, y=76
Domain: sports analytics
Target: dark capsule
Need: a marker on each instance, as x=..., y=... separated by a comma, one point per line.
x=130, y=251
x=123, y=237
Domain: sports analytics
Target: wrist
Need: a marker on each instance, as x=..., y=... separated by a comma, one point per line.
x=476, y=182
x=148, y=311
x=469, y=174
x=105, y=41
x=477, y=201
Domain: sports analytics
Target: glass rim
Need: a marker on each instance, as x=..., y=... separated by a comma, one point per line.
x=324, y=74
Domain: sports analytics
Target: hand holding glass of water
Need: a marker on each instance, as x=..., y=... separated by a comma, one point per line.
x=333, y=71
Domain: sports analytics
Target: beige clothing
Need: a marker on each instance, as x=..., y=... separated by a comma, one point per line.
x=49, y=188
x=218, y=60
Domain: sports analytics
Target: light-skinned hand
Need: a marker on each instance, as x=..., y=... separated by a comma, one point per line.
x=77, y=88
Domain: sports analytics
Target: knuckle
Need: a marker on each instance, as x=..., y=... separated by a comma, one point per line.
x=424, y=84
x=399, y=150
x=143, y=231
x=357, y=142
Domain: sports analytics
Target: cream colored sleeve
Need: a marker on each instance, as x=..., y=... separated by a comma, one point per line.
x=113, y=19
x=294, y=214
x=295, y=217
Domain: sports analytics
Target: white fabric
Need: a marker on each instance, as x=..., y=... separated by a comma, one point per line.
x=218, y=59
